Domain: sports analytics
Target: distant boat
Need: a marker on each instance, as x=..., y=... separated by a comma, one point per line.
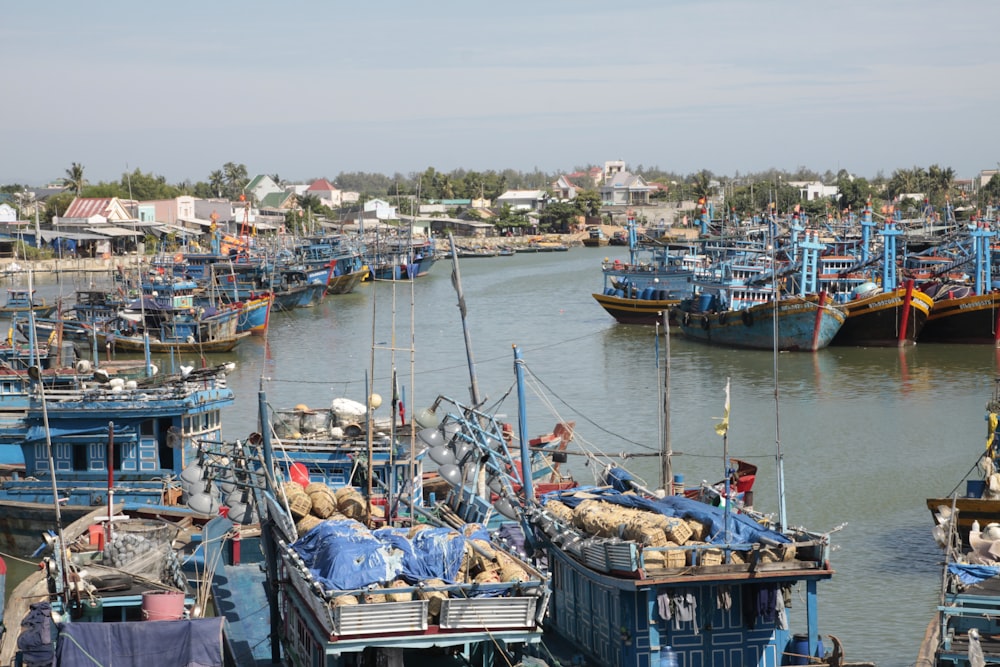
x=22, y=301
x=595, y=238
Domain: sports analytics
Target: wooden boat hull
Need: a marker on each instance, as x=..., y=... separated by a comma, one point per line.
x=22, y=524
x=875, y=321
x=803, y=325
x=345, y=284
x=971, y=319
x=628, y=310
x=137, y=344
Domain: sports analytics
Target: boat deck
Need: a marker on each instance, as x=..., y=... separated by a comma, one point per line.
x=978, y=606
x=240, y=597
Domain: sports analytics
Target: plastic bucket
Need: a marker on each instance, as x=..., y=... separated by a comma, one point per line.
x=162, y=605
x=974, y=488
x=799, y=648
x=96, y=534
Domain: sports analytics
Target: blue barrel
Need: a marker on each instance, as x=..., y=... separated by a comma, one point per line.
x=661, y=295
x=974, y=488
x=705, y=302
x=799, y=648
x=609, y=291
x=620, y=293
x=647, y=293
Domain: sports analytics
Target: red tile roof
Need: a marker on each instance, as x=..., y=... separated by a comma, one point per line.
x=85, y=207
x=321, y=184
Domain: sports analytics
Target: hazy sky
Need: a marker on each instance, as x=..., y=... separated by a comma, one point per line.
x=309, y=89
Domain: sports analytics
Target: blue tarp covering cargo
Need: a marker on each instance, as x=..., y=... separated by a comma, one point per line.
x=344, y=556
x=742, y=529
x=193, y=643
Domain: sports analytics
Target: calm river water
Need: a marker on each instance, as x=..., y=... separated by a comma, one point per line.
x=867, y=434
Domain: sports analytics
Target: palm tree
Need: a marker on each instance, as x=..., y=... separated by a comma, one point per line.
x=217, y=181
x=74, y=178
x=236, y=178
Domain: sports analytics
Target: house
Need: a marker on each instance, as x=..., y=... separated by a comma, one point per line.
x=612, y=168
x=326, y=192
x=278, y=201
x=169, y=211
x=110, y=217
x=8, y=213
x=97, y=211
x=260, y=187
x=523, y=200
x=625, y=189
x=382, y=209
x=565, y=189
x=810, y=190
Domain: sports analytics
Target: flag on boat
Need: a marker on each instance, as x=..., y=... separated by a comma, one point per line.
x=723, y=426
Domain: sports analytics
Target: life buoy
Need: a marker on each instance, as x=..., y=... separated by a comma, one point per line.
x=747, y=318
x=705, y=322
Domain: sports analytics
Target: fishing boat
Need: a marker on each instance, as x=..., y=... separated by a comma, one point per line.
x=740, y=304
x=596, y=238
x=92, y=436
x=640, y=575
x=400, y=257
x=358, y=569
x=166, y=319
x=339, y=254
x=963, y=630
x=20, y=301
x=966, y=311
x=652, y=281
x=111, y=587
x=880, y=311
x=976, y=497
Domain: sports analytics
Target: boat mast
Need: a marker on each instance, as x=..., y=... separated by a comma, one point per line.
x=456, y=281
x=666, y=460
x=779, y=456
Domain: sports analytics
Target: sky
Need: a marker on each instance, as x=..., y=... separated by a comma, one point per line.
x=310, y=89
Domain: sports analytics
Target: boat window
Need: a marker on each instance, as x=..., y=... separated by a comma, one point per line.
x=79, y=457
x=147, y=428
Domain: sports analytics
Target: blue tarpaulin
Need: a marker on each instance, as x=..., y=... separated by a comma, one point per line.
x=973, y=574
x=341, y=557
x=742, y=529
x=191, y=643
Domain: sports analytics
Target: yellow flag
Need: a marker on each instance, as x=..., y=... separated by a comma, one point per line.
x=991, y=429
x=723, y=426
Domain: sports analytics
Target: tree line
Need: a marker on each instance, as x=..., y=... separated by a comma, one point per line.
x=744, y=194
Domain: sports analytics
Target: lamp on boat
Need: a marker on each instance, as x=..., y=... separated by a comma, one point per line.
x=504, y=507
x=430, y=438
x=462, y=450
x=427, y=418
x=204, y=502
x=450, y=473
x=449, y=430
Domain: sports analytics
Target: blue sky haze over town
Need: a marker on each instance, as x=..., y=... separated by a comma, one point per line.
x=311, y=89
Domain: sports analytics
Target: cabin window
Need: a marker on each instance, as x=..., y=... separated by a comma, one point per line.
x=7, y=387
x=79, y=457
x=147, y=429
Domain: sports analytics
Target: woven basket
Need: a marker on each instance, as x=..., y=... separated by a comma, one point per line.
x=300, y=505
x=324, y=503
x=307, y=523
x=344, y=600
x=678, y=531
x=399, y=597
x=352, y=505
x=433, y=598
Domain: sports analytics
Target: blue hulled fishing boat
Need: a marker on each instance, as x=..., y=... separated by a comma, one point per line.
x=739, y=303
x=655, y=278
x=90, y=437
x=357, y=569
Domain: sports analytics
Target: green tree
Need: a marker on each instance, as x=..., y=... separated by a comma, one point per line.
x=236, y=179
x=217, y=183
x=559, y=216
x=588, y=202
x=74, y=178
x=146, y=187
